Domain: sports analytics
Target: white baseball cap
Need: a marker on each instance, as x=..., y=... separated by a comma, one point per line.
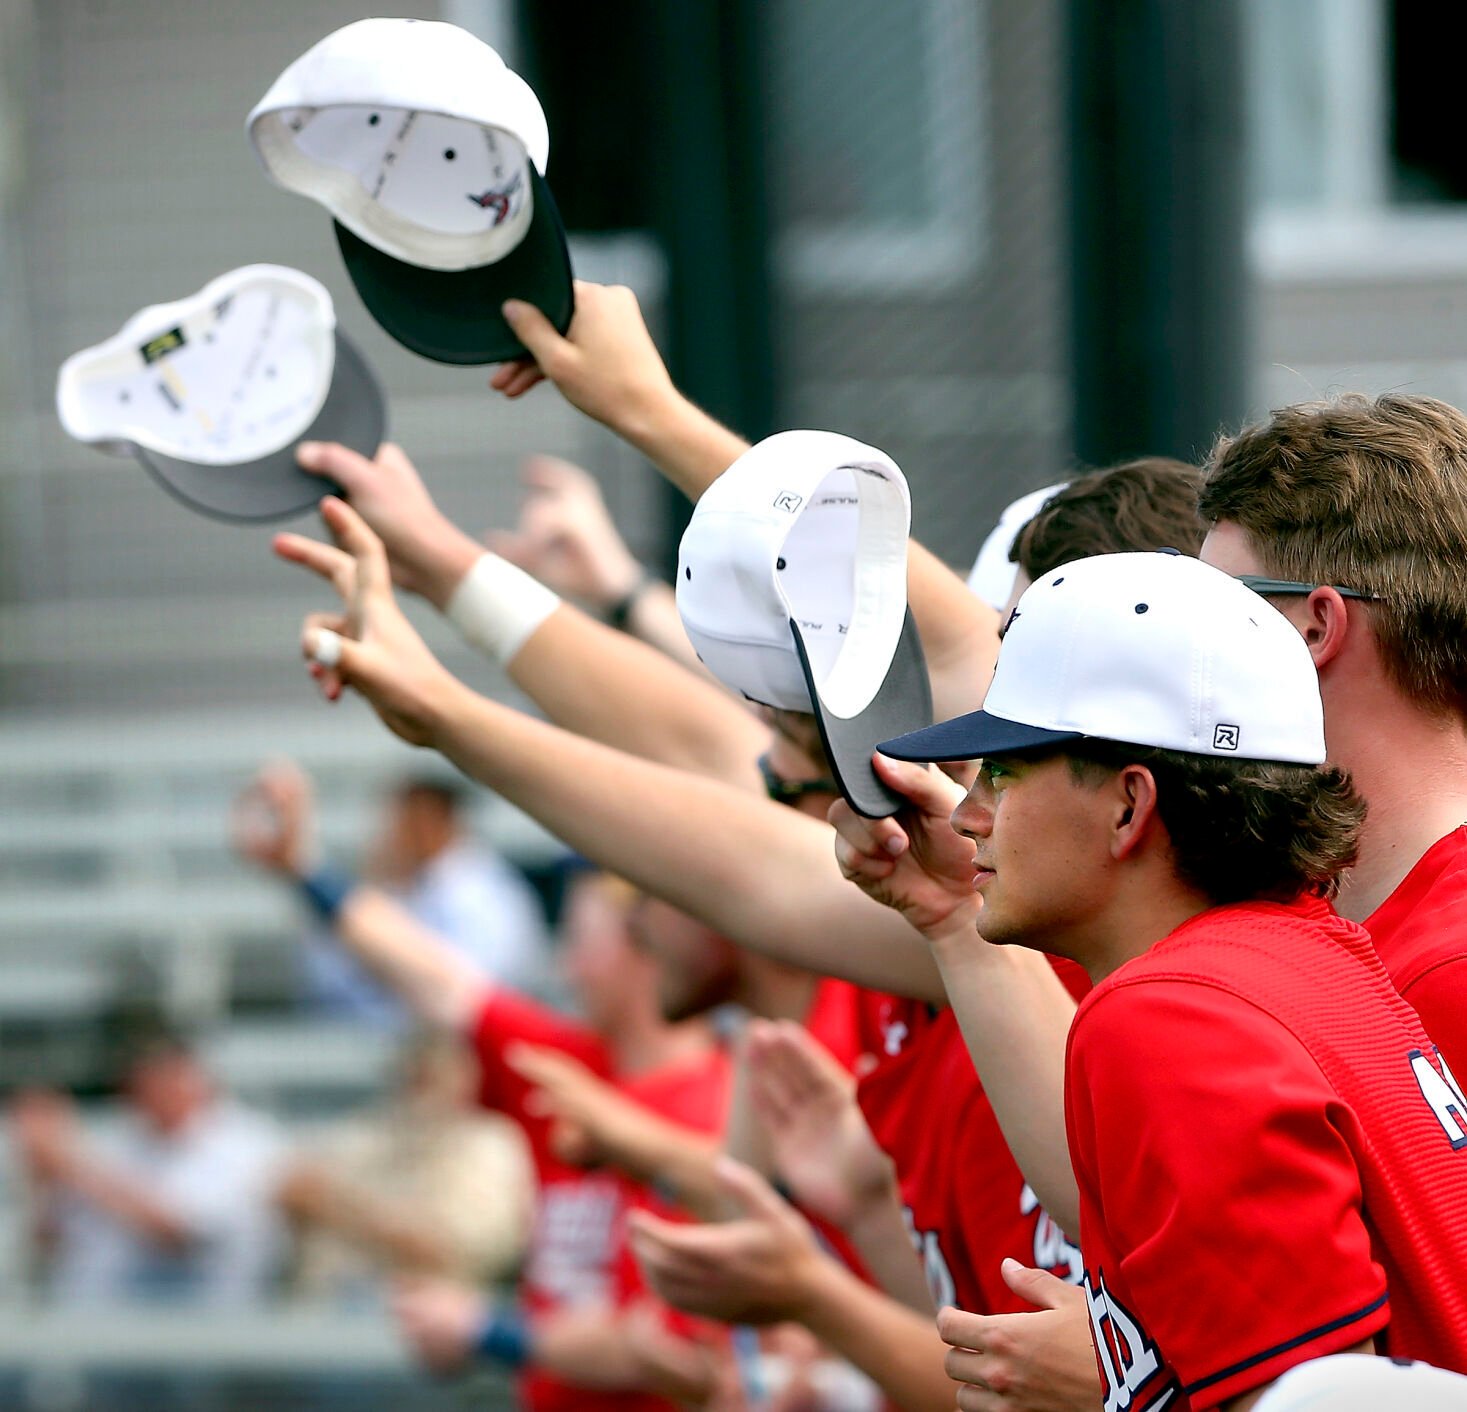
x=1146, y=649
x=430, y=154
x=1363, y=1382
x=213, y=393
x=993, y=573
x=792, y=585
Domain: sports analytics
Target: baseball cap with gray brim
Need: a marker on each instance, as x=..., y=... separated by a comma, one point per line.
x=1143, y=649
x=213, y=393
x=792, y=586
x=430, y=154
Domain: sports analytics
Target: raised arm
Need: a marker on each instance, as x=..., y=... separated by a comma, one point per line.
x=584, y=675
x=609, y=368
x=438, y=984
x=757, y=873
x=1014, y=1012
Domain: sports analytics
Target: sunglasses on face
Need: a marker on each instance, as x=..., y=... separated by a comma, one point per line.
x=1280, y=588
x=783, y=791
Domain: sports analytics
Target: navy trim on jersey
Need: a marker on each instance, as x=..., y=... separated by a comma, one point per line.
x=1274, y=1352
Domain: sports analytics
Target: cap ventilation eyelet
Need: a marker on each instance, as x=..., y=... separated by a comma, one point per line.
x=1143, y=607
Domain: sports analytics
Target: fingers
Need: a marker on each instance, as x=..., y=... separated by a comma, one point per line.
x=348, y=468
x=536, y=332
x=874, y=839
x=553, y=475
x=929, y=791
x=1039, y=1287
x=753, y=1194
x=351, y=533
x=961, y=1329
x=323, y=559
x=522, y=381
x=326, y=632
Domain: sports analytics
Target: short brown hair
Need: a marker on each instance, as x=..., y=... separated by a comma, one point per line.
x=1243, y=829
x=1369, y=494
x=1150, y=503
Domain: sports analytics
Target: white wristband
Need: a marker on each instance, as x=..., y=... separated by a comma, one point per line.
x=497, y=606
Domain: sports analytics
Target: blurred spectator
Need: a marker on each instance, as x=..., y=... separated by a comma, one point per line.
x=427, y=1183
x=425, y=859
x=173, y=1202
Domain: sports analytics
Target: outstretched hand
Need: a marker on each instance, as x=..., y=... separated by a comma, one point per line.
x=913, y=861
x=566, y=537
x=1041, y=1361
x=605, y=365
x=367, y=644
x=427, y=552
x=272, y=819
x=759, y=1268
x=818, y=1137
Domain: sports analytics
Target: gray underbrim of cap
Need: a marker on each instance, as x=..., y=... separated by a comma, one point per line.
x=971, y=737
x=904, y=700
x=274, y=487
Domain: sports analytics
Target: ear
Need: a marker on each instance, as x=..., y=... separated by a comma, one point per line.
x=1135, y=814
x=1324, y=623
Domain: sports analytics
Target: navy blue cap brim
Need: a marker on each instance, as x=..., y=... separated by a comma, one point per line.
x=452, y=316
x=971, y=737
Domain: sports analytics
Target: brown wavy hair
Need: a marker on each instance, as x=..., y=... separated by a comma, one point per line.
x=1150, y=503
x=1370, y=494
x=1243, y=829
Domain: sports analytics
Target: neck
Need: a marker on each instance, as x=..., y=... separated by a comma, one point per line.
x=1411, y=770
x=644, y=1041
x=1152, y=913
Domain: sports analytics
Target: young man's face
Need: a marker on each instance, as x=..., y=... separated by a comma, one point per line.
x=1043, y=851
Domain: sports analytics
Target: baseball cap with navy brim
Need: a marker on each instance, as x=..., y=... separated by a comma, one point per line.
x=213, y=393
x=430, y=154
x=792, y=586
x=1142, y=649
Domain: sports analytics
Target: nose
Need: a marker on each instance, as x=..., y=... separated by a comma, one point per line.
x=973, y=818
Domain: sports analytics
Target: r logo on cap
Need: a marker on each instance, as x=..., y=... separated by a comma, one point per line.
x=1224, y=737
x=788, y=501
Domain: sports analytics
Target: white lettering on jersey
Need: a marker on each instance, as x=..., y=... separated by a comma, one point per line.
x=1127, y=1357
x=1444, y=1095
x=573, y=1254
x=1052, y=1248
x=893, y=1036
x=934, y=1264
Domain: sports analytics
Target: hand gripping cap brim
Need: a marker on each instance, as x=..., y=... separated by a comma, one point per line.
x=905, y=696
x=453, y=316
x=274, y=487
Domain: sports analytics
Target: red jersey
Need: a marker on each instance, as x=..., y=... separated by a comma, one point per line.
x=834, y=1019
x=577, y=1250
x=965, y=1202
x=1264, y=1140
x=1420, y=932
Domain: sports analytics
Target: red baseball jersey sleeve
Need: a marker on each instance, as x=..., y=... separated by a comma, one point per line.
x=1420, y=934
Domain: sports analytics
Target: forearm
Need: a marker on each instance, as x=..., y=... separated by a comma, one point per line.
x=893, y=1345
x=127, y=1202
x=757, y=873
x=688, y=446
x=653, y=618
x=366, y=1221
x=884, y=1243
x=1015, y=1016
x=959, y=633
x=609, y=687
x=435, y=982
